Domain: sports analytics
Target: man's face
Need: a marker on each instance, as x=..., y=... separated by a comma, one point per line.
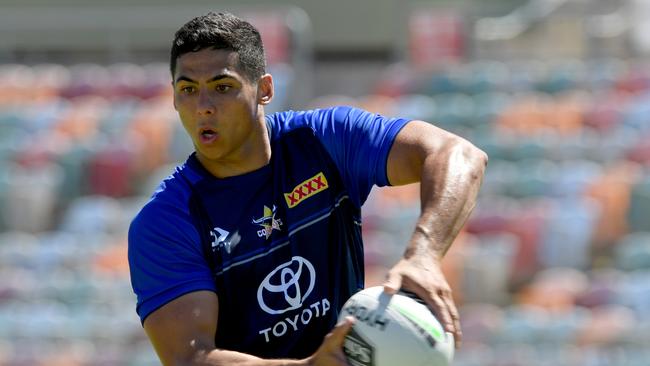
x=219, y=108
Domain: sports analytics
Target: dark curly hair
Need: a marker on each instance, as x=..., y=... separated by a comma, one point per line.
x=223, y=31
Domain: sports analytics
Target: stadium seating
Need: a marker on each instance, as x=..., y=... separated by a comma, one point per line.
x=553, y=267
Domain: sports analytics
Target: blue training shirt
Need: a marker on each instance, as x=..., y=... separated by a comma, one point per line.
x=281, y=246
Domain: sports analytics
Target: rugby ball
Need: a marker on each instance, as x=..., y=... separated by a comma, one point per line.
x=394, y=330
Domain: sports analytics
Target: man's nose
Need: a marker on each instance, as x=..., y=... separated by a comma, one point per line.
x=205, y=104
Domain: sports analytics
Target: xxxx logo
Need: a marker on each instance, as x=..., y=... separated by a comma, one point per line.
x=306, y=189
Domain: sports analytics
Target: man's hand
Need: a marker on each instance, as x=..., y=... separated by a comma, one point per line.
x=421, y=274
x=330, y=352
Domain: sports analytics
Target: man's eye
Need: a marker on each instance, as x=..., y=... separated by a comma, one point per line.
x=187, y=89
x=222, y=88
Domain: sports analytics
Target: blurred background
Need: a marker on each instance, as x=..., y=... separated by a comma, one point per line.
x=553, y=268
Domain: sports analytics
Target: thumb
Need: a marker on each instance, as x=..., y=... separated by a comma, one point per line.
x=393, y=283
x=337, y=335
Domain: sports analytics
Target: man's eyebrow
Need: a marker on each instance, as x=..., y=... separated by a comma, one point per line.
x=219, y=77
x=212, y=79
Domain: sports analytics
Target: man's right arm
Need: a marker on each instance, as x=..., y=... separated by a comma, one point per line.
x=182, y=333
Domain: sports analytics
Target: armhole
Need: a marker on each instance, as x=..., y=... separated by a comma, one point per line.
x=392, y=133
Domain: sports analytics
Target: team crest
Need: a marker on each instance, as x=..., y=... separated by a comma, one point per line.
x=268, y=222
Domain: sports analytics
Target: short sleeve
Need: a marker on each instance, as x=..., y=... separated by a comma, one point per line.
x=358, y=141
x=165, y=257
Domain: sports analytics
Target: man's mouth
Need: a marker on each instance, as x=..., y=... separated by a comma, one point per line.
x=207, y=135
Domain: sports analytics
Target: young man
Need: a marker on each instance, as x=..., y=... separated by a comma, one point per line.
x=247, y=252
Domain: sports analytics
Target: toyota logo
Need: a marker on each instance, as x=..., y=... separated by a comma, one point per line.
x=287, y=286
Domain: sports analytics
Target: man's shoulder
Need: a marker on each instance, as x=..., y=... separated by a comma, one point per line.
x=314, y=113
x=280, y=123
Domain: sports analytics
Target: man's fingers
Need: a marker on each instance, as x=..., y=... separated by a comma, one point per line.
x=337, y=335
x=436, y=295
x=442, y=313
x=331, y=350
x=453, y=312
x=437, y=302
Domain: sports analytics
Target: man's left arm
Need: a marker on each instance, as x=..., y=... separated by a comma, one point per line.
x=450, y=171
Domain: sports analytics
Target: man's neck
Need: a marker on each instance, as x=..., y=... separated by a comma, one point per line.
x=225, y=169
x=249, y=158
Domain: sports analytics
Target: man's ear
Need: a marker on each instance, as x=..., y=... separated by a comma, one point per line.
x=265, y=89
